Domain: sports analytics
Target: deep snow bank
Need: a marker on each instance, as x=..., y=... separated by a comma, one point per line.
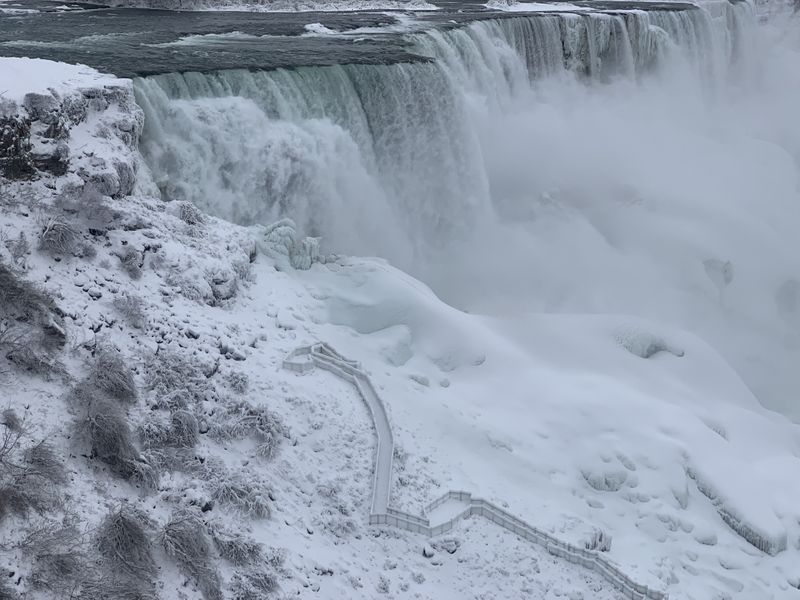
x=58, y=119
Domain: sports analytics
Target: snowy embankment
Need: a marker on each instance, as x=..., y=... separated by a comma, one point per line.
x=148, y=358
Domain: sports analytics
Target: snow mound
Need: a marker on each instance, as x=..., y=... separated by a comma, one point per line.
x=23, y=76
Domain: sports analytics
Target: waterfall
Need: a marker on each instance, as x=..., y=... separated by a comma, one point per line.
x=385, y=158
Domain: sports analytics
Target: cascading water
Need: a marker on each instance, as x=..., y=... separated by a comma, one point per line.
x=506, y=173
x=341, y=148
x=336, y=148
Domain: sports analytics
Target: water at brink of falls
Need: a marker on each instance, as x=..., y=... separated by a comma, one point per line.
x=579, y=162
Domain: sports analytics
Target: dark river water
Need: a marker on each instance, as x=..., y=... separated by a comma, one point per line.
x=138, y=42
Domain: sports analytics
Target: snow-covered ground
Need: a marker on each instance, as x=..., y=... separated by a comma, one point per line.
x=576, y=423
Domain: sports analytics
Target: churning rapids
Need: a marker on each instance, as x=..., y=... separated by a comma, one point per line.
x=621, y=158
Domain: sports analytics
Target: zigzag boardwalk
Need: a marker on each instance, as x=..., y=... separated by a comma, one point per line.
x=305, y=358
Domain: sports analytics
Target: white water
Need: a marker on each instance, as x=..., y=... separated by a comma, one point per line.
x=561, y=163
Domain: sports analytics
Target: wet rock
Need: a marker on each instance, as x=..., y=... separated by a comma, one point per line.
x=15, y=146
x=57, y=129
x=41, y=107
x=55, y=161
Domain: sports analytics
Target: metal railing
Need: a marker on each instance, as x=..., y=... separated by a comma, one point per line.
x=303, y=360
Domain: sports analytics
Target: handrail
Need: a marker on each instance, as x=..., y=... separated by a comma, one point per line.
x=322, y=355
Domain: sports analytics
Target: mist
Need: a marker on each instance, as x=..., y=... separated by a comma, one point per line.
x=658, y=177
x=674, y=197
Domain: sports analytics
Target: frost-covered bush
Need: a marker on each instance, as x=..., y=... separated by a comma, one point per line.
x=253, y=585
x=31, y=326
x=57, y=237
x=237, y=549
x=176, y=382
x=19, y=248
x=185, y=541
x=242, y=419
x=22, y=300
x=56, y=552
x=43, y=460
x=131, y=308
x=22, y=347
x=242, y=494
x=186, y=212
x=154, y=432
x=10, y=419
x=130, y=261
x=111, y=374
x=112, y=443
x=123, y=540
x=29, y=476
x=182, y=431
x=239, y=382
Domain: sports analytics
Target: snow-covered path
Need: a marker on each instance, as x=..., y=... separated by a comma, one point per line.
x=305, y=358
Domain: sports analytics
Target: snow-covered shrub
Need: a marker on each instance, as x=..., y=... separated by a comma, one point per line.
x=244, y=270
x=242, y=419
x=224, y=284
x=10, y=419
x=112, y=443
x=239, y=382
x=29, y=477
x=186, y=212
x=253, y=585
x=21, y=347
x=176, y=382
x=57, y=237
x=123, y=540
x=111, y=374
x=42, y=459
x=19, y=249
x=31, y=310
x=58, y=572
x=56, y=552
x=23, y=300
x=184, y=430
x=131, y=308
x=237, y=549
x=119, y=586
x=185, y=541
x=130, y=261
x=242, y=494
x=154, y=432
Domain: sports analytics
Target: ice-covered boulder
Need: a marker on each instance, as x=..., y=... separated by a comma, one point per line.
x=281, y=239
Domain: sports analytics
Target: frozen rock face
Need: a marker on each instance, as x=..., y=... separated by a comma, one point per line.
x=88, y=132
